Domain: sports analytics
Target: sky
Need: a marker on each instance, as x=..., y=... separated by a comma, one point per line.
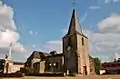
x=40, y=25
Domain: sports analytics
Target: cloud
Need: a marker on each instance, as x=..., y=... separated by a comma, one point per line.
x=107, y=40
x=107, y=1
x=117, y=55
x=95, y=7
x=111, y=1
x=34, y=46
x=36, y=32
x=110, y=24
x=104, y=42
x=33, y=32
x=6, y=17
x=8, y=31
x=102, y=45
x=53, y=45
x=116, y=0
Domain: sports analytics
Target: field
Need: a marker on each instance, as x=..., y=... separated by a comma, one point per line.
x=77, y=77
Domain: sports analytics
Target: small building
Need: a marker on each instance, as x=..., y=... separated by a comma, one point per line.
x=110, y=68
x=9, y=66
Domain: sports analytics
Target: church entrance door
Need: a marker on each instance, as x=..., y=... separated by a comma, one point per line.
x=84, y=70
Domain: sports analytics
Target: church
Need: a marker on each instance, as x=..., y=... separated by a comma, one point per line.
x=75, y=57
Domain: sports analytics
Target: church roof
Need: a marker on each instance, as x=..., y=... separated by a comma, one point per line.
x=74, y=24
x=2, y=60
x=18, y=63
x=38, y=54
x=56, y=55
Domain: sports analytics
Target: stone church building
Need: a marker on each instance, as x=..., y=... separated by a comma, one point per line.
x=74, y=58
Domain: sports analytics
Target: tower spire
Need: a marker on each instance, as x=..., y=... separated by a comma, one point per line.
x=74, y=24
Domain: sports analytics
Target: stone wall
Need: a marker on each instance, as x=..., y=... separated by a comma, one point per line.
x=92, y=69
x=54, y=64
x=42, y=66
x=82, y=52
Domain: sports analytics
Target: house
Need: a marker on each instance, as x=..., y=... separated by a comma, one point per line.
x=9, y=66
x=110, y=68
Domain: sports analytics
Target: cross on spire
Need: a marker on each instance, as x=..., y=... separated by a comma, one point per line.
x=74, y=3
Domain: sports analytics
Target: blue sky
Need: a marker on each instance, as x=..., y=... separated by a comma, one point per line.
x=50, y=17
x=41, y=23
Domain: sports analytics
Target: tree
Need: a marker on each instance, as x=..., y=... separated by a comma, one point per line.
x=53, y=52
x=97, y=65
x=118, y=60
x=115, y=60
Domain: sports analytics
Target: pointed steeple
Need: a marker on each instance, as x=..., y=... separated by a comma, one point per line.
x=74, y=24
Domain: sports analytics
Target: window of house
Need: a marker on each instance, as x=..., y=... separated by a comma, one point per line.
x=82, y=41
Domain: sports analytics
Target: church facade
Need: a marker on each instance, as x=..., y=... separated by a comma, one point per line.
x=74, y=59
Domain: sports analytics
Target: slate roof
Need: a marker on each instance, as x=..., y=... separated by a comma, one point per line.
x=75, y=25
x=18, y=63
x=38, y=55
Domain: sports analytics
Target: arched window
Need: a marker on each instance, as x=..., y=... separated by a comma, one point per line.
x=82, y=41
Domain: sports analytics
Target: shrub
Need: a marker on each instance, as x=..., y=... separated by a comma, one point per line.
x=72, y=74
x=26, y=70
x=97, y=65
x=19, y=74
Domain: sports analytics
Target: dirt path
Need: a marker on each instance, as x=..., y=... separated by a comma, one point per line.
x=78, y=77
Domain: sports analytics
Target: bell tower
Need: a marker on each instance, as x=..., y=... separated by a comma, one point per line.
x=75, y=48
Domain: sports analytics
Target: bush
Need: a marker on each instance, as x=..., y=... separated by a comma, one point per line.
x=26, y=70
x=97, y=65
x=19, y=74
x=72, y=74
